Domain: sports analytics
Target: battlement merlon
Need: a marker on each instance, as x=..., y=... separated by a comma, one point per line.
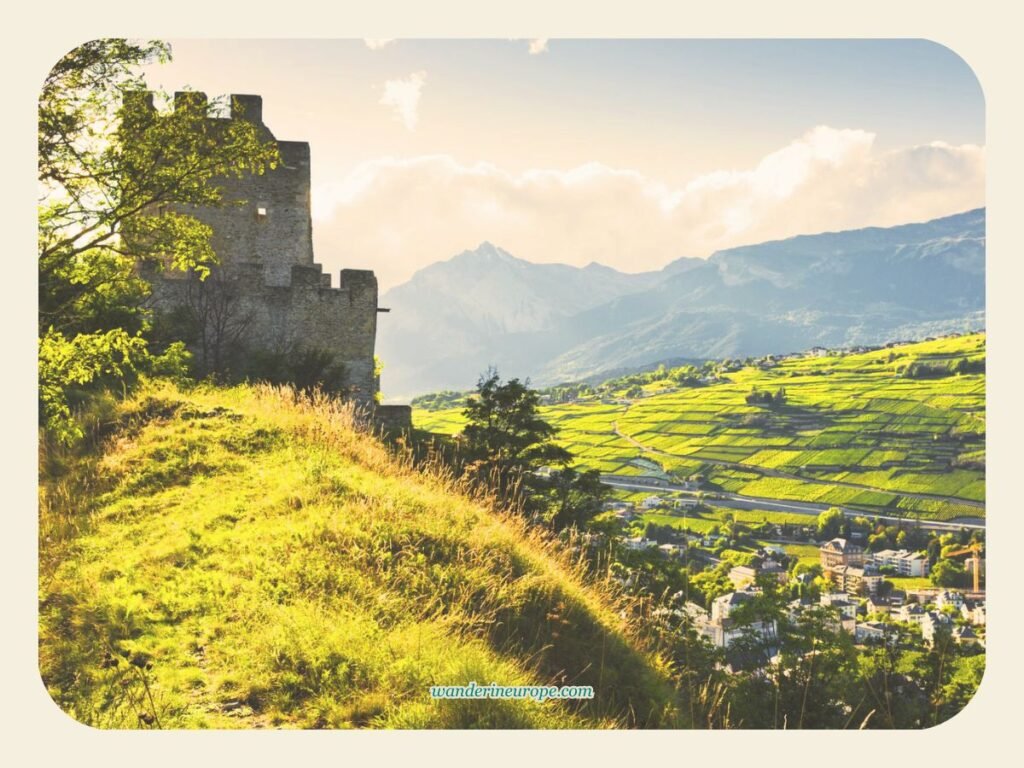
x=359, y=282
x=194, y=99
x=140, y=98
x=246, y=106
x=309, y=277
x=243, y=106
x=294, y=154
x=281, y=295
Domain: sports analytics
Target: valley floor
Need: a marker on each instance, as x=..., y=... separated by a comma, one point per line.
x=896, y=432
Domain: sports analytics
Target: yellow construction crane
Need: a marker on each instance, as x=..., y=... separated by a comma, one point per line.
x=975, y=560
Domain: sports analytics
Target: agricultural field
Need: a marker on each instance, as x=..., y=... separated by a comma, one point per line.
x=896, y=431
x=808, y=554
x=702, y=522
x=446, y=422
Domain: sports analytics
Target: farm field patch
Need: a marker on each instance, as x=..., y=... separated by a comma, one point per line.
x=853, y=429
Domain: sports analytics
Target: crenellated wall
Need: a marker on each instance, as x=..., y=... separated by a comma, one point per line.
x=269, y=295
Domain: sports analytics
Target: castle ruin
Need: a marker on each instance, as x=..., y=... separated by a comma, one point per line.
x=268, y=299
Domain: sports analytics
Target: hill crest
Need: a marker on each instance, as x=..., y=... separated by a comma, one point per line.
x=252, y=560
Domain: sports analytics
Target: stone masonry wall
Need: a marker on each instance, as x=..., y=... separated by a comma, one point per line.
x=267, y=216
x=281, y=300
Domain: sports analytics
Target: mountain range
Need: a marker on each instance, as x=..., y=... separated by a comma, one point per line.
x=555, y=322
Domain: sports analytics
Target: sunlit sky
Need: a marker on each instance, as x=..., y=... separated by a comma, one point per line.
x=630, y=153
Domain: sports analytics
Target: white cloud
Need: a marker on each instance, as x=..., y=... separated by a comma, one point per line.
x=404, y=97
x=398, y=215
x=376, y=43
x=538, y=45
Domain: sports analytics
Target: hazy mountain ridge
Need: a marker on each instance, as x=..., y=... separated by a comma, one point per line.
x=453, y=318
x=555, y=322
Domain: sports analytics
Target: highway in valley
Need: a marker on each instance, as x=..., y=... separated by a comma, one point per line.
x=811, y=509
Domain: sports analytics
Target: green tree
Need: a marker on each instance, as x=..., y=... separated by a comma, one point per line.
x=892, y=693
x=948, y=573
x=505, y=439
x=962, y=686
x=830, y=523
x=114, y=176
x=572, y=498
x=712, y=583
x=815, y=671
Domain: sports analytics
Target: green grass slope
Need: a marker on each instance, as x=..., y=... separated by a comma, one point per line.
x=237, y=559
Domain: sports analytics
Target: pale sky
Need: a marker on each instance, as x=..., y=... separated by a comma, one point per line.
x=630, y=153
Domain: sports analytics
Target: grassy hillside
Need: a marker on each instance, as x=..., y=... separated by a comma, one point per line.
x=234, y=558
x=855, y=429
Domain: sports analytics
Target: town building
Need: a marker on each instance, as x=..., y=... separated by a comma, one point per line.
x=742, y=576
x=875, y=632
x=616, y=504
x=770, y=567
x=931, y=623
x=639, y=543
x=722, y=629
x=672, y=550
x=912, y=612
x=974, y=613
x=685, y=502
x=903, y=562
x=854, y=581
x=842, y=552
x=949, y=597
x=964, y=635
x=878, y=605
x=841, y=602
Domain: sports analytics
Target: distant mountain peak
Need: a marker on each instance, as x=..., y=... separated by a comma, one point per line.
x=557, y=322
x=487, y=247
x=682, y=264
x=486, y=252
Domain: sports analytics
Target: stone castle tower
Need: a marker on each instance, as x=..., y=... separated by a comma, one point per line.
x=269, y=300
